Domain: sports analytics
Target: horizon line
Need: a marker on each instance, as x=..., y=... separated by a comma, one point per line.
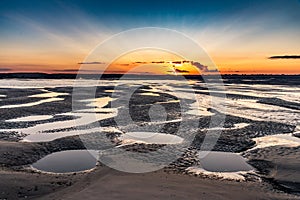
x=243, y=74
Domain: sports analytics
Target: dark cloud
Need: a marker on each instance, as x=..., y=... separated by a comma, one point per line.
x=200, y=66
x=154, y=62
x=285, y=57
x=5, y=69
x=175, y=70
x=181, y=71
x=91, y=63
x=176, y=62
x=158, y=62
x=139, y=62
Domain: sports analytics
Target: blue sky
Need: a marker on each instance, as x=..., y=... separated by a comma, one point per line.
x=149, y=13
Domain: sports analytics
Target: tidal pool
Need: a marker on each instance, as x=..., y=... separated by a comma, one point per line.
x=215, y=161
x=48, y=94
x=150, y=138
x=287, y=140
x=149, y=94
x=224, y=165
x=67, y=161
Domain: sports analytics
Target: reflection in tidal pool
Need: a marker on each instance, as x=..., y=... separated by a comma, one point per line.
x=67, y=161
x=150, y=138
x=223, y=162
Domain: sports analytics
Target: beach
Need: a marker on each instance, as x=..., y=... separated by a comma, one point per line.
x=48, y=127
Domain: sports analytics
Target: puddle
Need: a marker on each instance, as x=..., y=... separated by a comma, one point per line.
x=48, y=94
x=253, y=110
x=98, y=102
x=67, y=161
x=38, y=132
x=236, y=126
x=32, y=103
x=46, y=137
x=98, y=110
x=222, y=164
x=51, y=96
x=83, y=119
x=222, y=175
x=30, y=118
x=215, y=161
x=109, y=91
x=150, y=138
x=240, y=125
x=149, y=94
x=276, y=140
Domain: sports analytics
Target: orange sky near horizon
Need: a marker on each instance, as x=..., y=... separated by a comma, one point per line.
x=243, y=56
x=121, y=68
x=237, y=65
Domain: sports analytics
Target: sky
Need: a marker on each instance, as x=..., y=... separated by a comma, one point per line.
x=238, y=36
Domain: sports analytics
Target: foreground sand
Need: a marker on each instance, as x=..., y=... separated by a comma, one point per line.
x=110, y=184
x=105, y=183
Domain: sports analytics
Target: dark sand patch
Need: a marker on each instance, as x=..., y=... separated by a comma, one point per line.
x=29, y=185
